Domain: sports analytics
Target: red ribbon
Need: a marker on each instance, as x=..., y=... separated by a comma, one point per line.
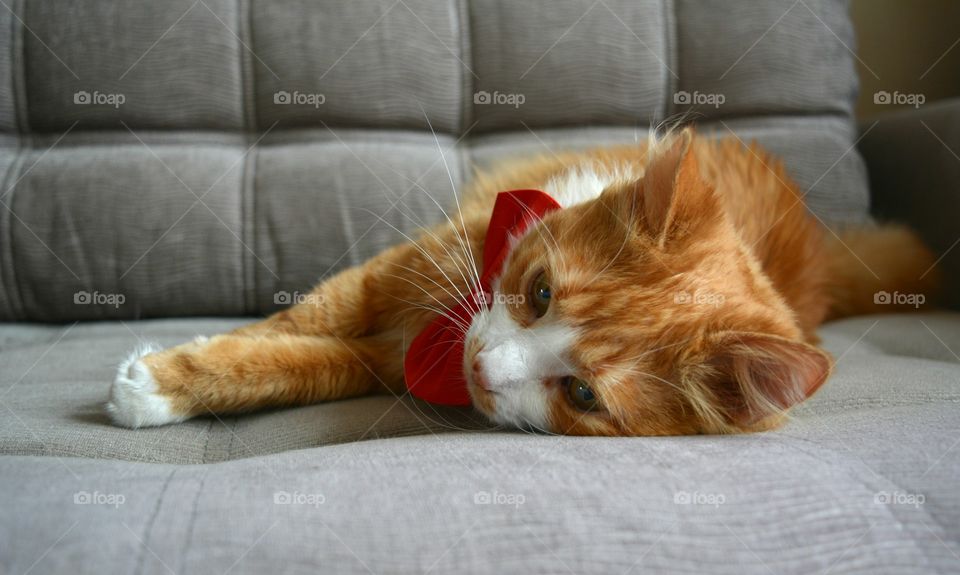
x=433, y=366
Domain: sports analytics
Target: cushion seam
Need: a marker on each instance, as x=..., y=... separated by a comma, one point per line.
x=153, y=517
x=249, y=230
x=466, y=52
x=10, y=281
x=672, y=46
x=247, y=73
x=193, y=521
x=18, y=51
x=248, y=104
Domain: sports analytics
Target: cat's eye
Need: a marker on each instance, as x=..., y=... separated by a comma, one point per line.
x=540, y=295
x=581, y=395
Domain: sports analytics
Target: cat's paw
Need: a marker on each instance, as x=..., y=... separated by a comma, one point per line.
x=134, y=398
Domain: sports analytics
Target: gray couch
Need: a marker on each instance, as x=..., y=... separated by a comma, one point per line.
x=172, y=168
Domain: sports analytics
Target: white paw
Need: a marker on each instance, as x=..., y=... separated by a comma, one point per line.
x=134, y=401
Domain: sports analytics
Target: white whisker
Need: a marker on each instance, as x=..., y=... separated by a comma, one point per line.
x=421, y=288
x=415, y=306
x=428, y=278
x=453, y=187
x=455, y=259
x=425, y=253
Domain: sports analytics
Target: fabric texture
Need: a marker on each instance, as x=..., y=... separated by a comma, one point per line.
x=863, y=480
x=216, y=158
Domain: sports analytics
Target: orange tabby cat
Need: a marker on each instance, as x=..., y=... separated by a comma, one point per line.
x=677, y=292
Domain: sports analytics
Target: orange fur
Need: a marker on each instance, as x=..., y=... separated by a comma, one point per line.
x=695, y=291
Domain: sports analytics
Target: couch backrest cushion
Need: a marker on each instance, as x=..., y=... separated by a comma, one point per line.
x=217, y=157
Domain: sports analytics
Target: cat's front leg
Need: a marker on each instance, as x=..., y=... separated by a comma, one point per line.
x=235, y=373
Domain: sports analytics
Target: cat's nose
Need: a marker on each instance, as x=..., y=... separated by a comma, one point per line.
x=478, y=378
x=502, y=366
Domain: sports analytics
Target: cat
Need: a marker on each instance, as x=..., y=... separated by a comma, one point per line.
x=678, y=291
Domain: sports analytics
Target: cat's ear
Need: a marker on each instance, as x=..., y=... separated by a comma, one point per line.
x=673, y=197
x=753, y=376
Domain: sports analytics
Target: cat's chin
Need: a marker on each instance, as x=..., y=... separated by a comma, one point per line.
x=521, y=407
x=483, y=400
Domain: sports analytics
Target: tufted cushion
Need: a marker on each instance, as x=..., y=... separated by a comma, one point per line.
x=183, y=158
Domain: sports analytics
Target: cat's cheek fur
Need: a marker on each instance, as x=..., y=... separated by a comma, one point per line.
x=526, y=406
x=568, y=421
x=516, y=362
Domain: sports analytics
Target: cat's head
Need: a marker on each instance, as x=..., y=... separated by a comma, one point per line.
x=640, y=312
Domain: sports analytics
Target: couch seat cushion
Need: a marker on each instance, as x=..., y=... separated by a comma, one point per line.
x=862, y=480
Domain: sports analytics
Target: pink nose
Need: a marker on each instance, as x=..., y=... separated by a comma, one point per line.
x=478, y=374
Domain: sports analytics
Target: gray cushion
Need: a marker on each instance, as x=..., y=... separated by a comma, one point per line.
x=381, y=64
x=785, y=58
x=574, y=63
x=862, y=480
x=286, y=186
x=191, y=78
x=58, y=409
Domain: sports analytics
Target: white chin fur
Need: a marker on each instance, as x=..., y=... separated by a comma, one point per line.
x=134, y=401
x=526, y=405
x=516, y=360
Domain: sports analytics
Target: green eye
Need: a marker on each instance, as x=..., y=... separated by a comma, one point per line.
x=540, y=295
x=580, y=394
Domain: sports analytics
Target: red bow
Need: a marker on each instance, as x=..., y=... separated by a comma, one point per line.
x=433, y=366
